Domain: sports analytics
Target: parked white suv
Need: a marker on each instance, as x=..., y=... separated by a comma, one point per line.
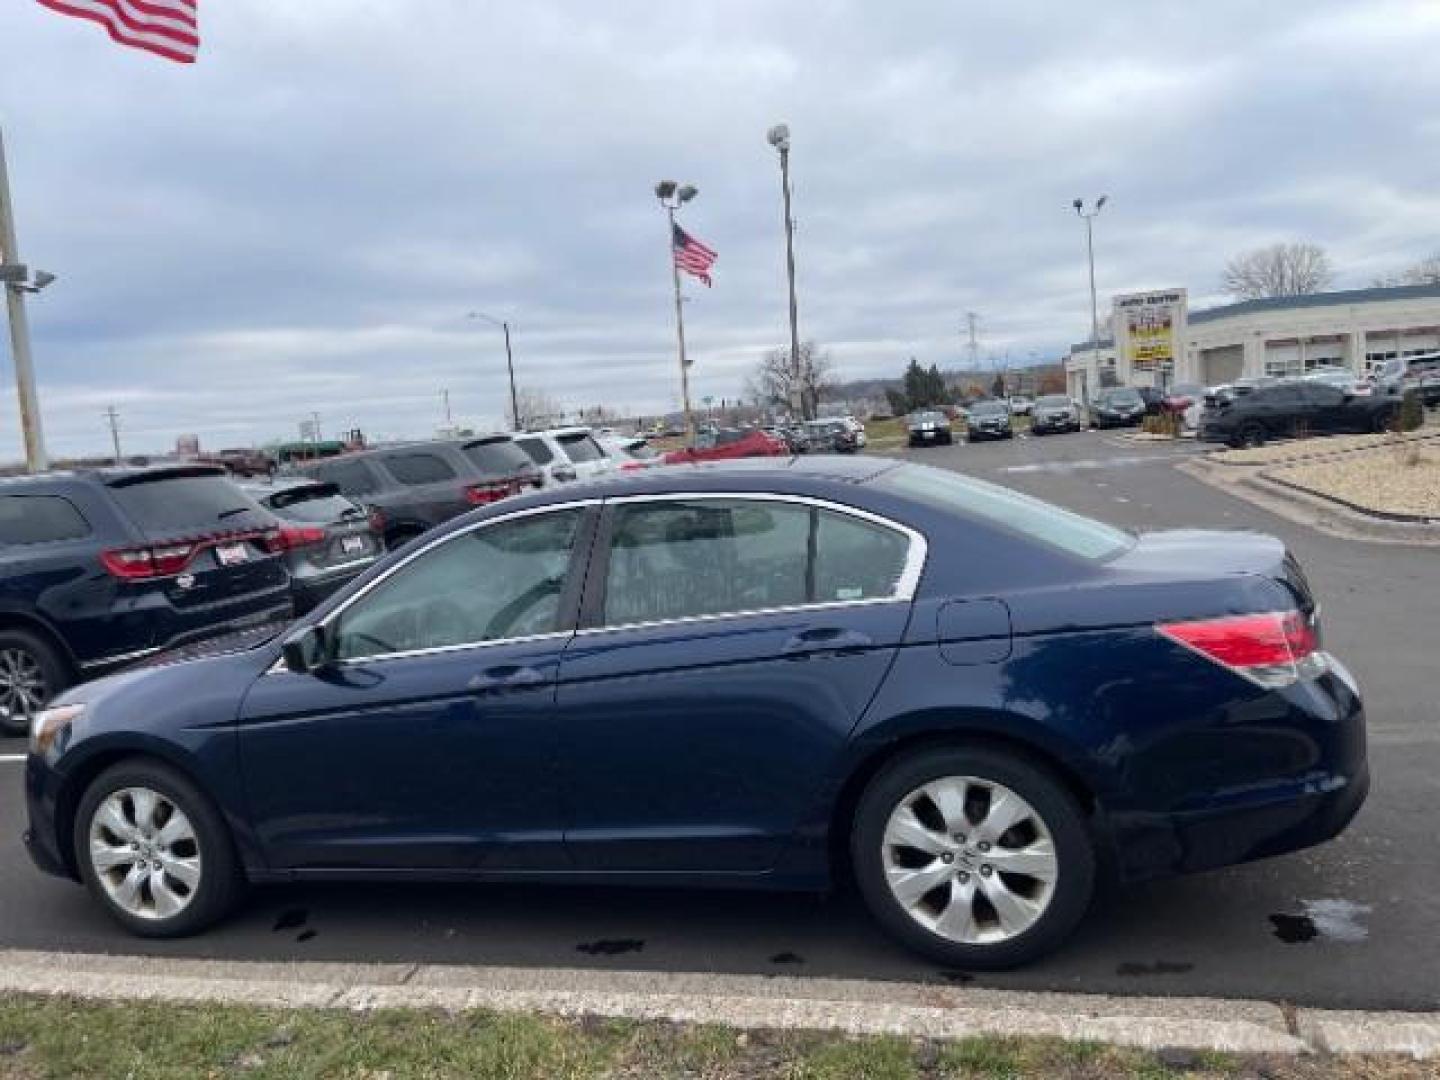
x=565, y=454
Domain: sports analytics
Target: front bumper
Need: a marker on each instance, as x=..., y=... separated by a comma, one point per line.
x=41, y=841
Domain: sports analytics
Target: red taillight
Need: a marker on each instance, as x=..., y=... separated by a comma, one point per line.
x=290, y=537
x=485, y=494
x=1272, y=649
x=135, y=564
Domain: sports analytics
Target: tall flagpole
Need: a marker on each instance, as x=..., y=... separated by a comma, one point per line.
x=30, y=427
x=680, y=330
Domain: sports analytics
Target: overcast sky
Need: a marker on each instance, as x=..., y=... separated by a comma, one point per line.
x=302, y=220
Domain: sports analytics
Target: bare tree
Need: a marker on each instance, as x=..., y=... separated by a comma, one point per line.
x=537, y=408
x=1424, y=272
x=774, y=379
x=1277, y=270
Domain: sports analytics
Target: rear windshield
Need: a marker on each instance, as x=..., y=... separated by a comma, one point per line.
x=184, y=505
x=418, y=468
x=537, y=450
x=581, y=447
x=1053, y=401
x=315, y=503
x=498, y=457
x=1036, y=520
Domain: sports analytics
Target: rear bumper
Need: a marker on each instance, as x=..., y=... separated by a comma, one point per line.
x=1260, y=818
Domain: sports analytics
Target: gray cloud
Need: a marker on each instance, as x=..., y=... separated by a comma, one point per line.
x=302, y=220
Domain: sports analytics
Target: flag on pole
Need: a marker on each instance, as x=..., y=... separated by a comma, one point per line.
x=169, y=28
x=692, y=256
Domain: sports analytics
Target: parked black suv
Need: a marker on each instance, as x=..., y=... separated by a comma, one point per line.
x=1292, y=408
x=101, y=568
x=420, y=485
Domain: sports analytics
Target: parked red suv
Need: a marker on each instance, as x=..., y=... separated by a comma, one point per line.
x=729, y=443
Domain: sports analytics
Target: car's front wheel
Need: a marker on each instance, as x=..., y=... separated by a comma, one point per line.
x=155, y=851
x=974, y=857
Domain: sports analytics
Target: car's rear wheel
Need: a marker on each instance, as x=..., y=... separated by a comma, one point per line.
x=1252, y=435
x=154, y=851
x=31, y=673
x=974, y=857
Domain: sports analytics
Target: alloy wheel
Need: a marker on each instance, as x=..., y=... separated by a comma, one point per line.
x=970, y=860
x=22, y=684
x=145, y=853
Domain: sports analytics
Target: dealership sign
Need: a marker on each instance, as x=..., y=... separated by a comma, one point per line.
x=1149, y=325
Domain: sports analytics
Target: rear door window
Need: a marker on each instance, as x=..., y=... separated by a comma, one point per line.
x=419, y=468
x=856, y=559
x=497, y=457
x=175, y=506
x=581, y=448
x=40, y=519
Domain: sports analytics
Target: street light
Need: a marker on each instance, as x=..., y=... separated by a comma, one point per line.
x=509, y=364
x=672, y=196
x=1089, y=216
x=779, y=137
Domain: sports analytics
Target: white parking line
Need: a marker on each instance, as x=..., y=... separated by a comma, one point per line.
x=14, y=758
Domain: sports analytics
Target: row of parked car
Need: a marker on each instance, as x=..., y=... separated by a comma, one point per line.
x=103, y=568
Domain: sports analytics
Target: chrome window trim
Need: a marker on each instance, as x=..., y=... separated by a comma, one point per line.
x=905, y=585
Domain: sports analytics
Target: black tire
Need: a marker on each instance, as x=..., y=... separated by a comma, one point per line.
x=40, y=656
x=1251, y=435
x=221, y=881
x=1051, y=800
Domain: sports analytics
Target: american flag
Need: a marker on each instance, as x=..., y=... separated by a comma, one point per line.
x=692, y=256
x=169, y=28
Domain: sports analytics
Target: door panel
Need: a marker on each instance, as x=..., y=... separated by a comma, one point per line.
x=698, y=746
x=416, y=762
x=735, y=644
x=429, y=740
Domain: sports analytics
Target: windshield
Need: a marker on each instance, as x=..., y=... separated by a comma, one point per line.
x=317, y=504
x=1031, y=518
x=926, y=418
x=988, y=408
x=497, y=457
x=173, y=506
x=1053, y=401
x=1122, y=397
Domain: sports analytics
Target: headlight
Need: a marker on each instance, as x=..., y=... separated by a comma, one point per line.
x=49, y=724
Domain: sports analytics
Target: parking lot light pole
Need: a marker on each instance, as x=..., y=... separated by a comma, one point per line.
x=504, y=325
x=16, y=284
x=1089, y=216
x=672, y=196
x=779, y=137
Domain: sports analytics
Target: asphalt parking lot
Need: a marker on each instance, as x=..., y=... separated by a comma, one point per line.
x=1352, y=924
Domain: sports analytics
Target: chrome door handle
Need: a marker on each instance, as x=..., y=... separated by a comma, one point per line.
x=505, y=677
x=826, y=640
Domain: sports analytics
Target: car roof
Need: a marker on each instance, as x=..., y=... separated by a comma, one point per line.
x=280, y=483
x=558, y=431
x=116, y=475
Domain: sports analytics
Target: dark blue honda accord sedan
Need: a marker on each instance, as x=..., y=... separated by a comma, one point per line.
x=766, y=675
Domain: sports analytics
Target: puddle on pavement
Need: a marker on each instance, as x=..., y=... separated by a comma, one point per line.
x=610, y=947
x=787, y=958
x=1329, y=920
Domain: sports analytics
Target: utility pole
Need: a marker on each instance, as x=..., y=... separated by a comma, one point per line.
x=114, y=418
x=779, y=137
x=971, y=321
x=445, y=397
x=504, y=325
x=30, y=425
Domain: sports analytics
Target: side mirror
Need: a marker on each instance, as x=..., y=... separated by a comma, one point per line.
x=306, y=651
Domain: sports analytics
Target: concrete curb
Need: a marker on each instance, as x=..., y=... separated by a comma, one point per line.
x=1316, y=511
x=844, y=1005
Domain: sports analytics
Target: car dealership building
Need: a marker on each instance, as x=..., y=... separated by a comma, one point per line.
x=1357, y=328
